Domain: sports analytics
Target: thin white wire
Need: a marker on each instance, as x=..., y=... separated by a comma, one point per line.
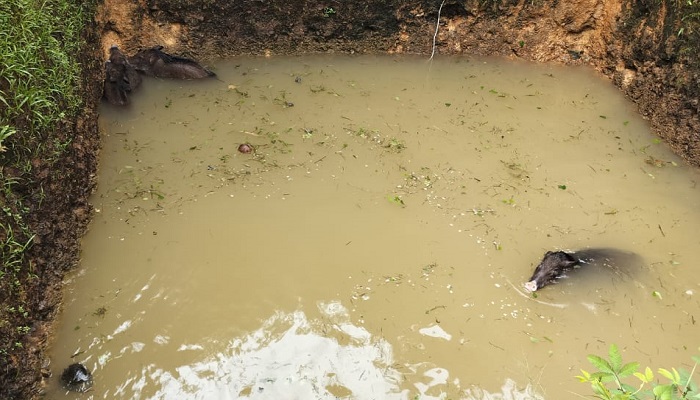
x=437, y=26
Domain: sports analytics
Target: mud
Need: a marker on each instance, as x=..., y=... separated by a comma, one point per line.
x=634, y=43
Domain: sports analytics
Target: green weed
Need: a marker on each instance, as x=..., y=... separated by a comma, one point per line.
x=609, y=382
x=40, y=92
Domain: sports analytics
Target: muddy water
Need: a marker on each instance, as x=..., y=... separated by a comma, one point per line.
x=374, y=244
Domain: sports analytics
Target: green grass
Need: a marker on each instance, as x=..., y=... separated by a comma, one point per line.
x=689, y=30
x=39, y=97
x=38, y=77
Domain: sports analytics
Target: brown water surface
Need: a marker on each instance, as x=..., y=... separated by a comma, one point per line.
x=374, y=244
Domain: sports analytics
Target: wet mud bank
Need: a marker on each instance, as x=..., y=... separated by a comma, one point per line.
x=644, y=47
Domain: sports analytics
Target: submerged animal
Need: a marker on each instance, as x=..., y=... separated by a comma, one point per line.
x=155, y=62
x=114, y=91
x=556, y=264
x=121, y=78
x=553, y=266
x=77, y=378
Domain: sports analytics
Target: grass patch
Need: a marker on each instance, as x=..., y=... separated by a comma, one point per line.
x=40, y=95
x=689, y=30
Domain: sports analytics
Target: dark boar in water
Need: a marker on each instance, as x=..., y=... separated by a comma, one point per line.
x=131, y=79
x=556, y=264
x=120, y=78
x=114, y=89
x=154, y=62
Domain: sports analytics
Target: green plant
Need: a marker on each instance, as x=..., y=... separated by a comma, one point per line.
x=680, y=384
x=40, y=93
x=328, y=11
x=5, y=132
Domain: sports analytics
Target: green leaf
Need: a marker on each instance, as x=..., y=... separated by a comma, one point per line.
x=649, y=374
x=672, y=376
x=664, y=392
x=600, y=363
x=600, y=390
x=584, y=377
x=615, y=358
x=641, y=377
x=396, y=200
x=628, y=369
x=603, y=376
x=677, y=376
x=666, y=373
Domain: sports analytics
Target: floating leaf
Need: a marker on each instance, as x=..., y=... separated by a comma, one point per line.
x=562, y=187
x=397, y=200
x=656, y=294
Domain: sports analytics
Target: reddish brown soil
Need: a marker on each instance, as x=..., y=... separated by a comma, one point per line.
x=633, y=43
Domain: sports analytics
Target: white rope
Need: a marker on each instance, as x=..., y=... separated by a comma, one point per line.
x=437, y=26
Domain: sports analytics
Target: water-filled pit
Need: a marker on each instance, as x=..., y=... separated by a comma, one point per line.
x=374, y=243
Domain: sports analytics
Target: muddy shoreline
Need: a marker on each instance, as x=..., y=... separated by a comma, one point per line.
x=634, y=44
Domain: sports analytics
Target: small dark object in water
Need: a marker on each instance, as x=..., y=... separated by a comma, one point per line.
x=154, y=62
x=120, y=78
x=557, y=263
x=77, y=378
x=245, y=148
x=297, y=79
